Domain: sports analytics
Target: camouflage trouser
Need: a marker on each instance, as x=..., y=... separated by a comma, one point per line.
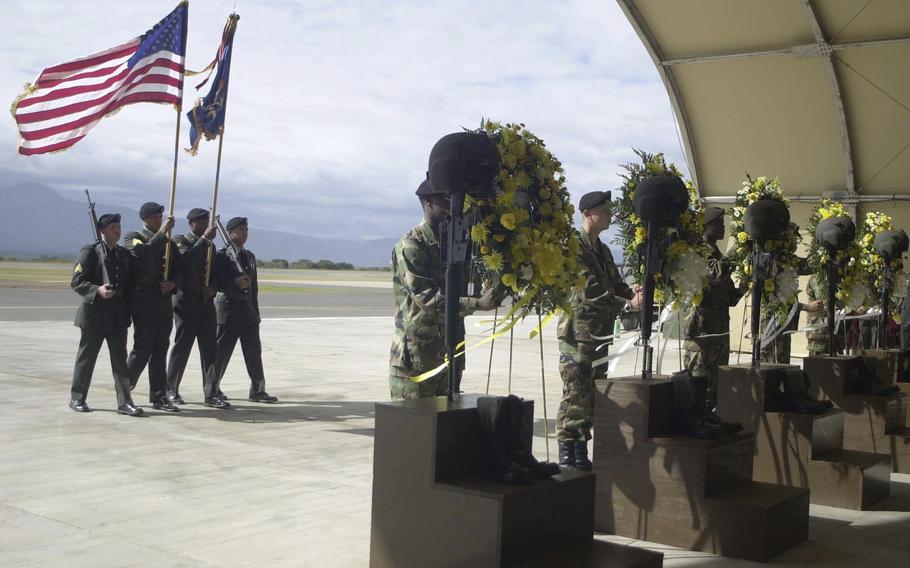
x=401, y=387
x=576, y=409
x=703, y=357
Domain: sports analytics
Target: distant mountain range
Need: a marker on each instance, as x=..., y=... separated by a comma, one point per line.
x=35, y=220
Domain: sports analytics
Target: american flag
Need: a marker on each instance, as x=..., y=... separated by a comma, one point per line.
x=66, y=101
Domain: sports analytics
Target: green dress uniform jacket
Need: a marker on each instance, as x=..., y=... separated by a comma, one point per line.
x=194, y=315
x=596, y=305
x=101, y=320
x=237, y=313
x=418, y=344
x=153, y=314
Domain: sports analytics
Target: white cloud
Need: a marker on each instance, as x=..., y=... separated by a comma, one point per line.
x=334, y=106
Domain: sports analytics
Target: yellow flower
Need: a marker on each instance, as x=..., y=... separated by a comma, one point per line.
x=742, y=236
x=499, y=238
x=640, y=234
x=769, y=285
x=484, y=249
x=508, y=221
x=493, y=261
x=508, y=279
x=479, y=233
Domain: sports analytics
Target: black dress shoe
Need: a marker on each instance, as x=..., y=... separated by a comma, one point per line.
x=79, y=406
x=263, y=397
x=130, y=409
x=174, y=397
x=165, y=405
x=222, y=396
x=216, y=402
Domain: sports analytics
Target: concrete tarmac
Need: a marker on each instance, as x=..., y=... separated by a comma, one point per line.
x=277, y=485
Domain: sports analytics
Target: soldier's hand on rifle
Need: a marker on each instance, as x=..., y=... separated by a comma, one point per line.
x=816, y=306
x=166, y=286
x=486, y=300
x=208, y=292
x=167, y=225
x=242, y=282
x=635, y=302
x=106, y=291
x=210, y=232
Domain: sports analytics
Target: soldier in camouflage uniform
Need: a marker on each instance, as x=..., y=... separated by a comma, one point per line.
x=816, y=314
x=103, y=316
x=194, y=310
x=711, y=318
x=418, y=280
x=596, y=306
x=150, y=301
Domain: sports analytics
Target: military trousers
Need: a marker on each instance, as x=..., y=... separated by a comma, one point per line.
x=198, y=329
x=703, y=358
x=401, y=387
x=250, y=344
x=151, y=337
x=89, y=348
x=575, y=416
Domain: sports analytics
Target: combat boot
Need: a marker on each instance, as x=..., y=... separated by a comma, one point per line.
x=703, y=407
x=868, y=382
x=494, y=425
x=567, y=454
x=690, y=418
x=521, y=419
x=581, y=456
x=793, y=395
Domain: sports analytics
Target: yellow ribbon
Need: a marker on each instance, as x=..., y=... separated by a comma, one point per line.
x=539, y=327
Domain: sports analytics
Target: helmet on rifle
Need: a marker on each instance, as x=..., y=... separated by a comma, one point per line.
x=835, y=232
x=891, y=244
x=660, y=200
x=766, y=220
x=464, y=162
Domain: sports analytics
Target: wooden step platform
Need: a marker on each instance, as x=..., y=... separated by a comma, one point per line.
x=597, y=554
x=432, y=507
x=872, y=423
x=800, y=450
x=697, y=494
x=893, y=365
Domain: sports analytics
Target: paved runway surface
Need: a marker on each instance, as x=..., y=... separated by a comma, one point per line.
x=267, y=485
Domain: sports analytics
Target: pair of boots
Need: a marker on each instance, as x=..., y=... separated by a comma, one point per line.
x=573, y=454
x=507, y=427
x=868, y=382
x=693, y=412
x=792, y=394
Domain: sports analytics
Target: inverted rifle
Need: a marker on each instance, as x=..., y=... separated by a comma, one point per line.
x=100, y=246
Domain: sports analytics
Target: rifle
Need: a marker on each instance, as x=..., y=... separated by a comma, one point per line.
x=100, y=246
x=230, y=248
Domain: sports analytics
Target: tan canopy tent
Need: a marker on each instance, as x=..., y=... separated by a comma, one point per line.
x=815, y=92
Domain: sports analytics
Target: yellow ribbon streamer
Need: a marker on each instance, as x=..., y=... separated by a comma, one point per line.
x=539, y=328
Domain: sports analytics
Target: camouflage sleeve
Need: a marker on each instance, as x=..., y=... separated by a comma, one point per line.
x=85, y=263
x=595, y=293
x=410, y=264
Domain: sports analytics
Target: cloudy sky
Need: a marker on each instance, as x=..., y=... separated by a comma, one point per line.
x=334, y=105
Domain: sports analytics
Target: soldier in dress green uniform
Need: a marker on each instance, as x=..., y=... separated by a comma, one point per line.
x=418, y=281
x=194, y=310
x=707, y=342
x=150, y=301
x=102, y=315
x=237, y=310
x=596, y=306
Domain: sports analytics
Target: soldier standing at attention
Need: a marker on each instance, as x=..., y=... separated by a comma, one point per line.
x=150, y=302
x=194, y=311
x=237, y=309
x=102, y=315
x=707, y=341
x=596, y=305
x=418, y=281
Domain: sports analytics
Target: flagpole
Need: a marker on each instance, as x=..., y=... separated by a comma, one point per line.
x=212, y=213
x=167, y=243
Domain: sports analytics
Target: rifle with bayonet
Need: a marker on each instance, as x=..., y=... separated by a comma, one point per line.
x=233, y=253
x=100, y=245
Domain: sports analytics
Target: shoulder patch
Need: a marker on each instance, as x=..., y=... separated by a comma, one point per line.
x=78, y=268
x=137, y=242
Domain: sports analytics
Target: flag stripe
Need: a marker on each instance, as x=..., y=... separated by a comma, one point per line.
x=80, y=104
x=148, y=93
x=30, y=151
x=78, y=64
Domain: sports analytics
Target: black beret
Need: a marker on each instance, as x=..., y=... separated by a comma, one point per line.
x=197, y=213
x=107, y=219
x=713, y=214
x=234, y=222
x=149, y=209
x=593, y=199
x=425, y=188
